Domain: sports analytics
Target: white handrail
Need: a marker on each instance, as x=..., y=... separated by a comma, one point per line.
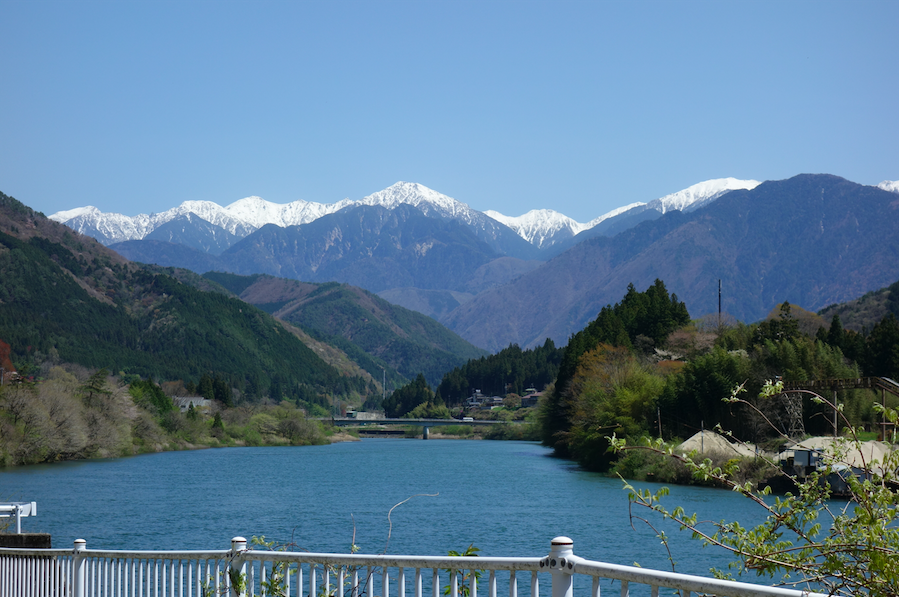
x=239, y=572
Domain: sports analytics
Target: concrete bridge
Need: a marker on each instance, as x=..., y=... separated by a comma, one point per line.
x=425, y=423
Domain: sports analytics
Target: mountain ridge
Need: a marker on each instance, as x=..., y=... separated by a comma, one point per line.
x=811, y=240
x=540, y=228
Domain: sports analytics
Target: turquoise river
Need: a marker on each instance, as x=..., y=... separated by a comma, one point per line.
x=506, y=498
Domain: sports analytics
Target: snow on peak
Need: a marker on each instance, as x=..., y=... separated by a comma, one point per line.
x=257, y=212
x=540, y=227
x=889, y=185
x=65, y=216
x=544, y=227
x=615, y=212
x=700, y=194
x=420, y=196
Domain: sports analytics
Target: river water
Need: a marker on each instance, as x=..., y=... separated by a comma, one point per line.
x=506, y=498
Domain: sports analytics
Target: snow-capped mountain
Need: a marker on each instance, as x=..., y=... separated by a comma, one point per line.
x=110, y=228
x=247, y=215
x=889, y=185
x=615, y=212
x=541, y=228
x=256, y=212
x=545, y=227
x=703, y=193
x=430, y=202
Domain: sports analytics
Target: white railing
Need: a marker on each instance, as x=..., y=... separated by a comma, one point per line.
x=18, y=510
x=240, y=572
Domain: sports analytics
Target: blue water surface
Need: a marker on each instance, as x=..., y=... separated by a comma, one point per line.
x=506, y=498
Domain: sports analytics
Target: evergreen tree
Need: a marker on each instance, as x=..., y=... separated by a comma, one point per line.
x=836, y=336
x=408, y=397
x=882, y=349
x=652, y=314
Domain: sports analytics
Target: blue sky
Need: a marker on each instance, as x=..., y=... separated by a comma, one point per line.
x=576, y=106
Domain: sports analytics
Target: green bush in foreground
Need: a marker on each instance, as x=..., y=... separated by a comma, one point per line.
x=806, y=540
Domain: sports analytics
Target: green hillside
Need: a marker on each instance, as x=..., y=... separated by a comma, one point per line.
x=373, y=332
x=864, y=312
x=66, y=298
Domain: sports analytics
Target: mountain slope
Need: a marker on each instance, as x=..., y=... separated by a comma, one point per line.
x=167, y=254
x=367, y=246
x=686, y=200
x=190, y=230
x=374, y=332
x=811, y=240
x=67, y=297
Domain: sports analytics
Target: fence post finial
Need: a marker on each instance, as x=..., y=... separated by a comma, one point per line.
x=561, y=550
x=237, y=569
x=79, y=564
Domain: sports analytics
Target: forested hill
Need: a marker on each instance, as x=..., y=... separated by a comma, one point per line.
x=642, y=368
x=373, y=332
x=66, y=298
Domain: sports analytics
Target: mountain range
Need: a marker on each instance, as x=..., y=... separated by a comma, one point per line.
x=497, y=280
x=66, y=298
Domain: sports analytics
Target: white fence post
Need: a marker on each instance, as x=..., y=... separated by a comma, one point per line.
x=562, y=548
x=238, y=567
x=79, y=565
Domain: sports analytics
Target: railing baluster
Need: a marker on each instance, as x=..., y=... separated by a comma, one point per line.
x=300, y=580
x=93, y=588
x=119, y=573
x=287, y=579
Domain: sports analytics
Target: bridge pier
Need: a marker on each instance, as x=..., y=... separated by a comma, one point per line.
x=424, y=434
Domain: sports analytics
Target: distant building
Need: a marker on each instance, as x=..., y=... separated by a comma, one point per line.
x=476, y=399
x=185, y=402
x=531, y=399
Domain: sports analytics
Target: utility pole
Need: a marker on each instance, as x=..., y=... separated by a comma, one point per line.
x=719, y=305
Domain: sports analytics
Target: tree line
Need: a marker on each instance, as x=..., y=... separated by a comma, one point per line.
x=73, y=413
x=620, y=375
